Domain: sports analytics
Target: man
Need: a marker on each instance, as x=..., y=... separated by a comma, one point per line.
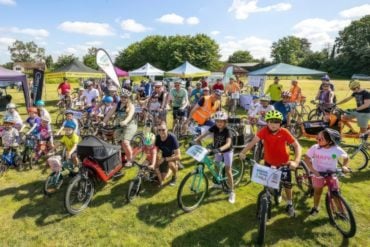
x=204, y=82
x=295, y=92
x=218, y=85
x=179, y=99
x=232, y=87
x=196, y=93
x=162, y=96
x=362, y=111
x=90, y=94
x=275, y=90
x=170, y=148
x=64, y=87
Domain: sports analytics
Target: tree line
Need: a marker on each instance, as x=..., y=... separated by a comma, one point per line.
x=349, y=54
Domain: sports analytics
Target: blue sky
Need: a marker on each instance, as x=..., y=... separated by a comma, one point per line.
x=65, y=26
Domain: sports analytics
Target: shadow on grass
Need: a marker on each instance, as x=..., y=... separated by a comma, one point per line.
x=357, y=176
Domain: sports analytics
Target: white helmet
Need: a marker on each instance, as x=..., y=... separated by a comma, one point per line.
x=11, y=106
x=220, y=115
x=125, y=93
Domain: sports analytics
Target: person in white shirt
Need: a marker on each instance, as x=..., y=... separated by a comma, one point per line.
x=257, y=115
x=90, y=93
x=12, y=113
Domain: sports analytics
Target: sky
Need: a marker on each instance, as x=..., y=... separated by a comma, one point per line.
x=71, y=27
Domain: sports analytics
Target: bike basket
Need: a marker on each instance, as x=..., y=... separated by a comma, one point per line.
x=266, y=176
x=197, y=152
x=55, y=163
x=314, y=127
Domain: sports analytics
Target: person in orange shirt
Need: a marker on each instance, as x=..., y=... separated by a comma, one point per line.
x=232, y=87
x=296, y=92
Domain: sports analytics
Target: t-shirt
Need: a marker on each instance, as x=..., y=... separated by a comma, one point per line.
x=331, y=85
x=204, y=83
x=232, y=88
x=196, y=93
x=90, y=95
x=32, y=121
x=44, y=131
x=219, y=86
x=276, y=145
x=149, y=152
x=220, y=137
x=64, y=87
x=45, y=113
x=178, y=97
x=325, y=159
x=9, y=137
x=275, y=91
x=284, y=108
x=70, y=141
x=360, y=99
x=295, y=94
x=168, y=146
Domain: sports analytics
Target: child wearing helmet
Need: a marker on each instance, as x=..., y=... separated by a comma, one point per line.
x=275, y=142
x=40, y=104
x=151, y=151
x=102, y=110
x=257, y=115
x=44, y=132
x=9, y=134
x=11, y=112
x=70, y=140
x=284, y=107
x=323, y=157
x=33, y=119
x=69, y=116
x=223, y=150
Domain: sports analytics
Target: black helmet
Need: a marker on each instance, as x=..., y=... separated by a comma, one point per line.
x=334, y=135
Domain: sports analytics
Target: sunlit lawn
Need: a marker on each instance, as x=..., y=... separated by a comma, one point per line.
x=28, y=218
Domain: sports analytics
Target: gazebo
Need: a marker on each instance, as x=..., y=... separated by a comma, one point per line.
x=187, y=70
x=146, y=70
x=75, y=69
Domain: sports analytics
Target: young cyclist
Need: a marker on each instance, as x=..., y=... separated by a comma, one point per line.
x=284, y=107
x=9, y=135
x=323, y=157
x=33, y=120
x=69, y=117
x=275, y=141
x=258, y=114
x=44, y=132
x=222, y=145
x=70, y=140
x=11, y=112
x=42, y=112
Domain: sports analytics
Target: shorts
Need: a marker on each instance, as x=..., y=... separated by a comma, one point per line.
x=320, y=182
x=126, y=133
x=164, y=167
x=177, y=112
x=286, y=176
x=362, y=118
x=226, y=157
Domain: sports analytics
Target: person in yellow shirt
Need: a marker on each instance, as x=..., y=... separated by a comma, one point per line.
x=275, y=90
x=70, y=141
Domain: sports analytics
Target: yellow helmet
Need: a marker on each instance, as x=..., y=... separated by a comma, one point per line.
x=354, y=84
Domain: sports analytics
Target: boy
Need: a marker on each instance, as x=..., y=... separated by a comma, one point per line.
x=70, y=141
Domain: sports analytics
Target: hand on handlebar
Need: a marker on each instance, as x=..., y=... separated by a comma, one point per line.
x=346, y=169
x=292, y=164
x=242, y=156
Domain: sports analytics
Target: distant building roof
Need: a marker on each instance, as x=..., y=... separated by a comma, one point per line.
x=29, y=65
x=245, y=64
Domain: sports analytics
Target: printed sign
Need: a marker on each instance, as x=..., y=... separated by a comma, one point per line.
x=266, y=176
x=197, y=152
x=105, y=63
x=38, y=83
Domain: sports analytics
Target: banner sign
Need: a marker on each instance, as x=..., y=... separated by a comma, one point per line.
x=38, y=84
x=105, y=63
x=228, y=74
x=266, y=176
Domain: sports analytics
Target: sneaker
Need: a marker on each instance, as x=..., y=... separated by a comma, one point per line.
x=290, y=210
x=173, y=181
x=232, y=197
x=216, y=186
x=128, y=164
x=314, y=211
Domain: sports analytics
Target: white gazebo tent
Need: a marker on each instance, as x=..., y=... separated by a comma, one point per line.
x=146, y=70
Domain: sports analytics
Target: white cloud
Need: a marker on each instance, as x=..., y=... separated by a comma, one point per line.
x=192, y=20
x=319, y=31
x=258, y=47
x=5, y=42
x=36, y=33
x=356, y=12
x=131, y=25
x=94, y=43
x=215, y=32
x=171, y=19
x=125, y=36
x=89, y=28
x=8, y=2
x=243, y=8
x=71, y=50
x=230, y=37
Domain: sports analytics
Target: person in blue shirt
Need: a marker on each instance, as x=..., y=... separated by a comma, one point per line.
x=284, y=107
x=196, y=93
x=148, y=88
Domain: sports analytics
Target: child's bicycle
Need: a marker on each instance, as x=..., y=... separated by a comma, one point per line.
x=28, y=151
x=10, y=158
x=194, y=187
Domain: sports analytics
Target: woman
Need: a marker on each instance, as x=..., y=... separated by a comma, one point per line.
x=124, y=111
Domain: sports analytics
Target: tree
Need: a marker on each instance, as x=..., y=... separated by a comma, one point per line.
x=26, y=52
x=315, y=60
x=90, y=58
x=8, y=65
x=240, y=57
x=290, y=49
x=64, y=60
x=49, y=62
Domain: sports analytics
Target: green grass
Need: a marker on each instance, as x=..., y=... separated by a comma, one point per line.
x=154, y=219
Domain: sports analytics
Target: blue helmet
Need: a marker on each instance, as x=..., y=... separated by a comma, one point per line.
x=70, y=124
x=107, y=99
x=40, y=103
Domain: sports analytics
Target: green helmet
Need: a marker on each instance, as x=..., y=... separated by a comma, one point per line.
x=273, y=114
x=354, y=84
x=149, y=139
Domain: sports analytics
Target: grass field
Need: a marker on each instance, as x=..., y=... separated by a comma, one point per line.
x=28, y=218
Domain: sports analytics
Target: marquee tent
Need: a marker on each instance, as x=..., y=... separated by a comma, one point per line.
x=188, y=70
x=7, y=76
x=146, y=70
x=75, y=69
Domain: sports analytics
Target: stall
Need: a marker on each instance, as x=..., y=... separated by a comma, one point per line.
x=75, y=69
x=146, y=70
x=187, y=70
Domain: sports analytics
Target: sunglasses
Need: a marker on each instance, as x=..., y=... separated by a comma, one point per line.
x=162, y=130
x=274, y=121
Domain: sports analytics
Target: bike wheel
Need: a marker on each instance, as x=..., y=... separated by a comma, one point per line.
x=296, y=130
x=137, y=140
x=192, y=191
x=340, y=215
x=133, y=189
x=305, y=111
x=79, y=194
x=314, y=115
x=237, y=171
x=59, y=120
x=177, y=130
x=18, y=163
x=359, y=158
x=53, y=182
x=303, y=179
x=262, y=219
x=3, y=168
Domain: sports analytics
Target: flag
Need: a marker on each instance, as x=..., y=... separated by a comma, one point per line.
x=105, y=63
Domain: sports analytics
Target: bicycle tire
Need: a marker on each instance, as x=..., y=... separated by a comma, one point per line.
x=262, y=219
x=3, y=168
x=50, y=183
x=359, y=158
x=303, y=179
x=133, y=189
x=177, y=131
x=314, y=115
x=18, y=163
x=86, y=196
x=335, y=221
x=237, y=167
x=199, y=197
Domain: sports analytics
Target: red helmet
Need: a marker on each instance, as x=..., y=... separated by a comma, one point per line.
x=32, y=109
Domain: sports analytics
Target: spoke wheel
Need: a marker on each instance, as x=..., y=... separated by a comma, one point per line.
x=262, y=219
x=53, y=182
x=79, y=194
x=133, y=189
x=237, y=171
x=303, y=179
x=358, y=157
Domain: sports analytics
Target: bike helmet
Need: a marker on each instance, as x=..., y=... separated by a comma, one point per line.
x=273, y=114
x=286, y=94
x=158, y=84
x=88, y=83
x=107, y=99
x=265, y=98
x=40, y=103
x=206, y=89
x=325, y=78
x=32, y=109
x=198, y=84
x=334, y=135
x=354, y=84
x=68, y=112
x=218, y=92
x=125, y=93
x=112, y=88
x=149, y=139
x=11, y=106
x=232, y=77
x=45, y=118
x=70, y=125
x=220, y=115
x=255, y=97
x=81, y=89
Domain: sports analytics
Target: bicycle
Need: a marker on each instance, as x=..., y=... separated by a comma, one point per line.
x=178, y=125
x=28, y=151
x=321, y=108
x=232, y=102
x=194, y=187
x=357, y=153
x=10, y=159
x=300, y=110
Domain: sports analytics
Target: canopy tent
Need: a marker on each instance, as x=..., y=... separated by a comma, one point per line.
x=75, y=69
x=146, y=70
x=7, y=76
x=120, y=72
x=188, y=70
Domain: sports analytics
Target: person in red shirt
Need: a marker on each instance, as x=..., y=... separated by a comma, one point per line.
x=218, y=85
x=275, y=142
x=204, y=82
x=64, y=87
